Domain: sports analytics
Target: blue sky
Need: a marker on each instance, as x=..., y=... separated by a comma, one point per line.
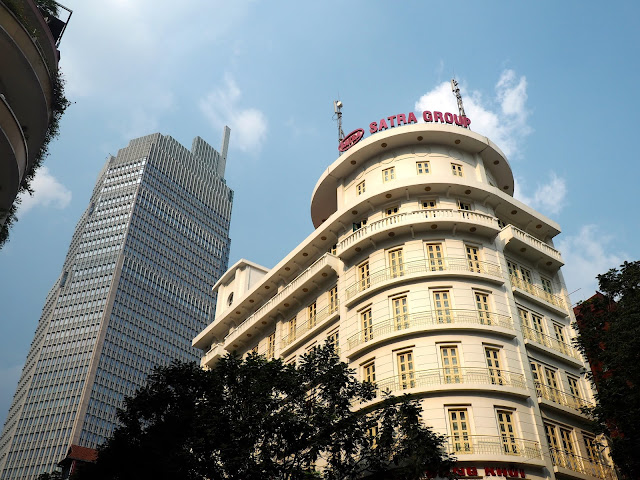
x=552, y=83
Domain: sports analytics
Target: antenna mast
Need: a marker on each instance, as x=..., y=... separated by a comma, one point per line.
x=456, y=91
x=337, y=110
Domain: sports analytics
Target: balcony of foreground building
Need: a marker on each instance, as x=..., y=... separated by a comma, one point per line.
x=436, y=219
x=305, y=329
x=539, y=295
x=454, y=378
x=13, y=155
x=570, y=465
x=423, y=268
x=434, y=320
x=298, y=287
x=558, y=398
x=530, y=247
x=551, y=345
x=494, y=447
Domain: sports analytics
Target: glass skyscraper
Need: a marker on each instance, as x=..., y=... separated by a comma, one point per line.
x=134, y=289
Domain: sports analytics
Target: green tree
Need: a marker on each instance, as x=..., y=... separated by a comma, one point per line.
x=258, y=419
x=609, y=336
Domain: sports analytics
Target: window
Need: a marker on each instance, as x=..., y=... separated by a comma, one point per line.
x=367, y=325
x=363, y=275
x=574, y=389
x=391, y=211
x=311, y=314
x=369, y=372
x=422, y=168
x=569, y=449
x=400, y=312
x=493, y=363
x=334, y=339
x=360, y=188
x=552, y=384
x=482, y=305
x=442, y=306
x=465, y=208
x=271, y=345
x=473, y=257
x=546, y=284
x=459, y=425
x=255, y=350
x=292, y=328
x=334, y=249
x=536, y=371
x=507, y=432
x=593, y=453
x=435, y=257
x=358, y=225
x=396, y=265
x=429, y=204
x=519, y=272
x=388, y=174
x=333, y=299
x=536, y=323
x=230, y=299
x=456, y=169
x=450, y=364
x=405, y=370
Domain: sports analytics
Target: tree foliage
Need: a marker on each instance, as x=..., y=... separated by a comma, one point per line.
x=257, y=419
x=609, y=326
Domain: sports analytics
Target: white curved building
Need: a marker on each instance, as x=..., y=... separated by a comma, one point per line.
x=434, y=281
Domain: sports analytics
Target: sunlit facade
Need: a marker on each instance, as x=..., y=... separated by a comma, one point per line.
x=432, y=280
x=134, y=289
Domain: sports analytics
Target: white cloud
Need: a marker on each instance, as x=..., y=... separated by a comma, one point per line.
x=503, y=118
x=248, y=125
x=549, y=198
x=586, y=255
x=48, y=192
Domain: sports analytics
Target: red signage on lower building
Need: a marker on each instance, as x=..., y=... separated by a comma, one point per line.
x=350, y=140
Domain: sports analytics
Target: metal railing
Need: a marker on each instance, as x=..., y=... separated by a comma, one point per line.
x=427, y=319
x=287, y=290
x=312, y=322
x=493, y=445
x=538, y=291
x=561, y=397
x=550, y=342
x=533, y=241
x=451, y=376
x=417, y=216
x=447, y=264
x=586, y=466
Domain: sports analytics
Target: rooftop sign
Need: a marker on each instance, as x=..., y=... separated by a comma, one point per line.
x=402, y=119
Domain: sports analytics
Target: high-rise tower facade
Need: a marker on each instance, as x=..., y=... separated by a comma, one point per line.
x=134, y=289
x=432, y=280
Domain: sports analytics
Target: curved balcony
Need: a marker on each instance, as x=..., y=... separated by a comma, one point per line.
x=493, y=446
x=320, y=318
x=531, y=248
x=13, y=155
x=436, y=219
x=570, y=464
x=539, y=295
x=459, y=378
x=415, y=269
x=562, y=398
x=430, y=320
x=553, y=345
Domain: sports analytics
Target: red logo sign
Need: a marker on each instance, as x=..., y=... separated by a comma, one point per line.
x=350, y=140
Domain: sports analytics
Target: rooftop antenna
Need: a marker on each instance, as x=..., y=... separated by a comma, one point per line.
x=456, y=91
x=337, y=110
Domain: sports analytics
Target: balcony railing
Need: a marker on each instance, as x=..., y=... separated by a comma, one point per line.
x=289, y=289
x=586, y=466
x=417, y=216
x=532, y=241
x=312, y=322
x=493, y=445
x=428, y=319
x=538, y=291
x=451, y=376
x=421, y=266
x=550, y=342
x=560, y=397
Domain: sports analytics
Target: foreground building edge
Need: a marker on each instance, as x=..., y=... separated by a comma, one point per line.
x=432, y=280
